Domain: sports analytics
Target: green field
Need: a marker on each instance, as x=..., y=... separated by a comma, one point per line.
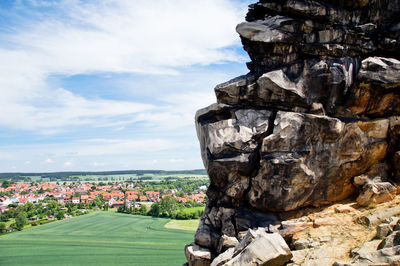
x=131, y=177
x=100, y=238
x=183, y=224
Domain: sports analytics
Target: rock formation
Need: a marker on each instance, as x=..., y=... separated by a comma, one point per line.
x=316, y=120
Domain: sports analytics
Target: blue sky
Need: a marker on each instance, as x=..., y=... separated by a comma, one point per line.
x=111, y=85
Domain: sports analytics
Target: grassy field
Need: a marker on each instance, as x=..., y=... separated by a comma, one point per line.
x=190, y=225
x=131, y=177
x=100, y=238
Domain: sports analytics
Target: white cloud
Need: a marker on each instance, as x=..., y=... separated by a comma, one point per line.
x=48, y=161
x=163, y=40
x=97, y=164
x=123, y=36
x=67, y=164
x=175, y=160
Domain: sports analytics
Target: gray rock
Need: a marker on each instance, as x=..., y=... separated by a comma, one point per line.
x=206, y=235
x=390, y=241
x=248, y=238
x=197, y=255
x=229, y=144
x=265, y=249
x=386, y=256
x=365, y=248
x=318, y=168
x=379, y=216
x=377, y=88
x=375, y=193
x=396, y=165
x=383, y=230
x=302, y=93
x=268, y=30
x=315, y=121
x=303, y=243
x=226, y=242
x=223, y=257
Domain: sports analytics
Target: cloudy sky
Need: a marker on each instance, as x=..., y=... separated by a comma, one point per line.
x=111, y=85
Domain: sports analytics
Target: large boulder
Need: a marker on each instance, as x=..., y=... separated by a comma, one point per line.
x=311, y=160
x=316, y=120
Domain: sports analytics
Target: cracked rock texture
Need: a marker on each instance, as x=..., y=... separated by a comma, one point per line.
x=316, y=120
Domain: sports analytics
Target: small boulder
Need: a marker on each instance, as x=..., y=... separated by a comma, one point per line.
x=226, y=242
x=223, y=257
x=327, y=221
x=197, y=255
x=248, y=238
x=344, y=209
x=303, y=243
x=375, y=193
x=265, y=249
x=390, y=241
x=383, y=230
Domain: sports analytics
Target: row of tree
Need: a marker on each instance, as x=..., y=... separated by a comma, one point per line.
x=168, y=207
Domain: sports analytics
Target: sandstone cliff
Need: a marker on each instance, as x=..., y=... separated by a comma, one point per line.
x=316, y=120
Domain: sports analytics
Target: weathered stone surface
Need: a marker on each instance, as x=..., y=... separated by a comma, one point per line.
x=290, y=227
x=206, y=235
x=377, y=88
x=248, y=238
x=245, y=219
x=390, y=241
x=197, y=255
x=223, y=257
x=375, y=193
x=303, y=243
x=383, y=230
x=302, y=92
x=345, y=209
x=265, y=249
x=394, y=147
x=396, y=165
x=226, y=242
x=366, y=248
x=368, y=254
x=300, y=167
x=228, y=138
x=315, y=121
x=379, y=216
x=386, y=256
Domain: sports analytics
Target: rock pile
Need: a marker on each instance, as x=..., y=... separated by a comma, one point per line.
x=378, y=251
x=316, y=120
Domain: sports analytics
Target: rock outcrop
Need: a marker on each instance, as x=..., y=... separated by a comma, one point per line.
x=316, y=120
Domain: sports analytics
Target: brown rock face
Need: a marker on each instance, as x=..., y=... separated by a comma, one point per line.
x=316, y=119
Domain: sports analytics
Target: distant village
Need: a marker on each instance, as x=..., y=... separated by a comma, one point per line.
x=114, y=195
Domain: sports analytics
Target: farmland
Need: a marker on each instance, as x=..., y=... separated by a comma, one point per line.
x=100, y=238
x=108, y=176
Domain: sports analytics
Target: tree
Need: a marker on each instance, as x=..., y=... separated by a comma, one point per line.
x=155, y=210
x=3, y=227
x=169, y=205
x=143, y=210
x=20, y=221
x=6, y=184
x=60, y=215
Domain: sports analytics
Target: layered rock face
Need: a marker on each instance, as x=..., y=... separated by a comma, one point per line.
x=316, y=120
